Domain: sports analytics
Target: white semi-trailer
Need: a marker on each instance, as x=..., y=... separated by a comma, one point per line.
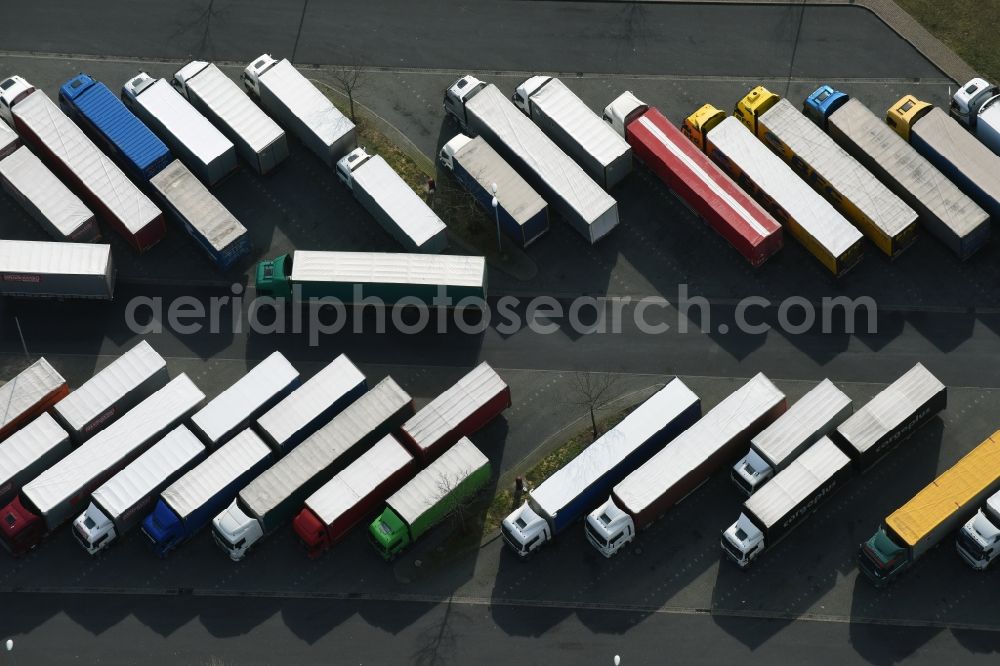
x=258, y=139
x=300, y=108
x=482, y=110
x=568, y=121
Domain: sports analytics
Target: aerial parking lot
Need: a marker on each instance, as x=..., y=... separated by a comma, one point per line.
x=461, y=333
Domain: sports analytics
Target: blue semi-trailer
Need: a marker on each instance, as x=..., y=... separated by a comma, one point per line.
x=521, y=212
x=586, y=481
x=107, y=121
x=190, y=503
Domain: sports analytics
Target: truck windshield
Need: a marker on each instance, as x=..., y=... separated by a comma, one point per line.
x=509, y=537
x=882, y=550
x=596, y=535
x=971, y=546
x=735, y=552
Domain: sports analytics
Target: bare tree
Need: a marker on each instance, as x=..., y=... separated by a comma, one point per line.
x=591, y=390
x=461, y=511
x=351, y=78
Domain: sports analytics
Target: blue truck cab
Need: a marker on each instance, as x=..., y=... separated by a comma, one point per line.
x=820, y=105
x=109, y=123
x=190, y=503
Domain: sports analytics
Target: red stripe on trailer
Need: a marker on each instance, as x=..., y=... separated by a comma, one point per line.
x=703, y=186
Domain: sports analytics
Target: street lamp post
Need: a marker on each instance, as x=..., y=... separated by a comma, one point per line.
x=496, y=214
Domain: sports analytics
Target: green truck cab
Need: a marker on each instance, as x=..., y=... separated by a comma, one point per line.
x=882, y=560
x=272, y=277
x=429, y=498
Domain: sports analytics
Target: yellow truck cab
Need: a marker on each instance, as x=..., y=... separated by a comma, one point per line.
x=697, y=126
x=756, y=103
x=904, y=113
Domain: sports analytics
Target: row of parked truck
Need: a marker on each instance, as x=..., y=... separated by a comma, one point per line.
x=133, y=448
x=798, y=457
x=768, y=169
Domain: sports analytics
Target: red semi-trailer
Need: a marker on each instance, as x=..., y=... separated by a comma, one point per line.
x=695, y=179
x=474, y=400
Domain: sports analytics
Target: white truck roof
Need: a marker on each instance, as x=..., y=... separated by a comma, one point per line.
x=693, y=446
x=811, y=211
x=233, y=106
x=54, y=258
x=114, y=443
x=217, y=471
x=564, y=107
x=613, y=446
x=388, y=268
x=540, y=154
x=408, y=211
x=814, y=410
x=887, y=410
x=197, y=205
x=843, y=172
x=482, y=162
x=909, y=167
x=99, y=174
x=29, y=444
x=456, y=404
x=25, y=390
x=149, y=470
x=183, y=121
x=231, y=407
x=108, y=386
x=432, y=484
x=31, y=179
x=305, y=101
x=324, y=446
x=358, y=479
x=311, y=399
x=8, y=138
x=789, y=487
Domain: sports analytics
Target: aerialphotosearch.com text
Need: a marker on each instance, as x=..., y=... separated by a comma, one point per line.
x=237, y=312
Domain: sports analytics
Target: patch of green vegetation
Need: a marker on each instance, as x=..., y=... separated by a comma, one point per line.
x=968, y=27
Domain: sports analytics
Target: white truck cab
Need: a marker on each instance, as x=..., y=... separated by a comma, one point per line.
x=751, y=472
x=448, y=150
x=348, y=163
x=12, y=91
x=522, y=95
x=743, y=541
x=235, y=532
x=979, y=539
x=525, y=530
x=977, y=106
x=458, y=94
x=251, y=75
x=185, y=74
x=609, y=529
x=134, y=86
x=94, y=530
x=622, y=110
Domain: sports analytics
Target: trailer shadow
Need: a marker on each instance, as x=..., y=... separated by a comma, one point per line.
x=812, y=561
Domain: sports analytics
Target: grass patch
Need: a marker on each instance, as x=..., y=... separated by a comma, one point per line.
x=485, y=514
x=453, y=204
x=968, y=27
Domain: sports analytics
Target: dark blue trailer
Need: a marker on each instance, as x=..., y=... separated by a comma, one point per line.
x=587, y=480
x=191, y=502
x=522, y=214
x=108, y=122
x=312, y=405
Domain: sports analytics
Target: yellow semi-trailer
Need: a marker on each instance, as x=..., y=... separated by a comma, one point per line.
x=939, y=509
x=810, y=218
x=843, y=181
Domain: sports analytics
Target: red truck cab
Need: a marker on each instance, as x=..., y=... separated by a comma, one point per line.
x=20, y=528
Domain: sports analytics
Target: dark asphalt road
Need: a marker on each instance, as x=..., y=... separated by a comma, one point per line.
x=523, y=35
x=959, y=346
x=173, y=629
